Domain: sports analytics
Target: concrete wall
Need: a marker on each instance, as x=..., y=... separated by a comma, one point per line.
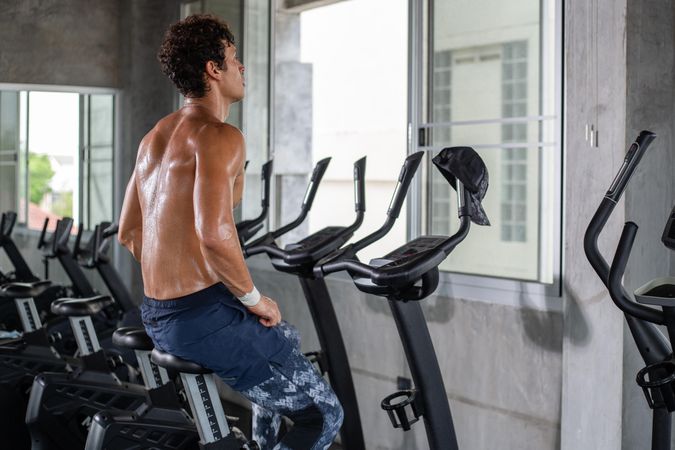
x=292, y=122
x=51, y=42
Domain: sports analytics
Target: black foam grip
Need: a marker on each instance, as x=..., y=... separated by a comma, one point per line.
x=408, y=170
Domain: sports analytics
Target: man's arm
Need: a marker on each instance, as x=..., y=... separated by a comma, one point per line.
x=219, y=160
x=130, y=233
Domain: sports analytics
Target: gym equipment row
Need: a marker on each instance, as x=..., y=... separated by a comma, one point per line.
x=81, y=398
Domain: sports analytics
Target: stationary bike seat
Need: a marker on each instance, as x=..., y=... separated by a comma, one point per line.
x=169, y=361
x=78, y=307
x=24, y=290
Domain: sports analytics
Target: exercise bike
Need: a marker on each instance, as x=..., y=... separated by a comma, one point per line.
x=408, y=275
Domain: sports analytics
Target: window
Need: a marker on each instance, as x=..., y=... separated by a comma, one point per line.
x=57, y=157
x=97, y=158
x=252, y=114
x=9, y=150
x=493, y=83
x=358, y=105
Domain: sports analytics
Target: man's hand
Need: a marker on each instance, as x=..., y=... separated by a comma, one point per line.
x=268, y=311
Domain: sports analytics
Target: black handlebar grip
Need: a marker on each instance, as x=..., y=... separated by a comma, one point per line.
x=408, y=170
x=668, y=237
x=645, y=138
x=109, y=231
x=623, y=251
x=7, y=223
x=62, y=234
x=102, y=242
x=41, y=241
x=360, y=185
x=78, y=239
x=317, y=175
x=614, y=280
x=630, y=163
x=265, y=176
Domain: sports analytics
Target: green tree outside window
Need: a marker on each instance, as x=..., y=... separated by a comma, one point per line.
x=40, y=174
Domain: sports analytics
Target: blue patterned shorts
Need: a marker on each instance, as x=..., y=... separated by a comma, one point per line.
x=295, y=390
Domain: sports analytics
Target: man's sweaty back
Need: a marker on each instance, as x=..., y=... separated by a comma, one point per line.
x=187, y=180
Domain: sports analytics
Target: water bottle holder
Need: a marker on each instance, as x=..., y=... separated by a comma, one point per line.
x=656, y=381
x=398, y=410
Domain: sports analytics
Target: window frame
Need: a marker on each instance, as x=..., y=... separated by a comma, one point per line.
x=489, y=288
x=82, y=91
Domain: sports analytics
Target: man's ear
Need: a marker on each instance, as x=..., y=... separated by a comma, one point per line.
x=212, y=70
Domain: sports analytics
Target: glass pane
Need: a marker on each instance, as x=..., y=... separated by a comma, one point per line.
x=53, y=136
x=485, y=61
x=97, y=166
x=100, y=192
x=486, y=84
x=9, y=147
x=256, y=103
x=357, y=99
x=101, y=120
x=9, y=121
x=8, y=186
x=23, y=157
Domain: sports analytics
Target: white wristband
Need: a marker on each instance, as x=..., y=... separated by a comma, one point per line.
x=250, y=299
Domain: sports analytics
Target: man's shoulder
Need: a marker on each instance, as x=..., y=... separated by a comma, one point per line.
x=223, y=133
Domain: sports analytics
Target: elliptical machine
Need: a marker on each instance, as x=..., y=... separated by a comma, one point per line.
x=409, y=274
x=658, y=377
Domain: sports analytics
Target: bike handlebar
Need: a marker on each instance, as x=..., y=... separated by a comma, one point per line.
x=614, y=281
x=630, y=163
x=7, y=223
x=617, y=291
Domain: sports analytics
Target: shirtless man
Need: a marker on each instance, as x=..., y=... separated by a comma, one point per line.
x=200, y=303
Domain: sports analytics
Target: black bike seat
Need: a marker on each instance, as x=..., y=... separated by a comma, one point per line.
x=134, y=338
x=24, y=290
x=169, y=361
x=78, y=307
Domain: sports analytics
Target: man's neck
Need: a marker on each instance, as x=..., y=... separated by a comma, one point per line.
x=217, y=106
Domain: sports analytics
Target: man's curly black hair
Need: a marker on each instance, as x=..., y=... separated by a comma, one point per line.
x=188, y=45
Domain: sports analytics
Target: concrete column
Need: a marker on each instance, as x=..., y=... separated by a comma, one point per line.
x=593, y=327
x=147, y=95
x=292, y=145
